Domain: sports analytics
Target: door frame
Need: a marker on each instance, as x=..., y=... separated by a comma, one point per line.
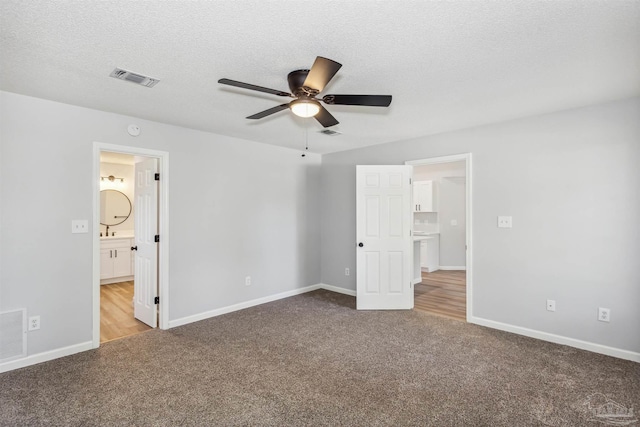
x=163, y=227
x=466, y=157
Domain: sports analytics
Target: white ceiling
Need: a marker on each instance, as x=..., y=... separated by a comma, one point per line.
x=448, y=65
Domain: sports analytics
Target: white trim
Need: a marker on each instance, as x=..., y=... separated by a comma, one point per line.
x=558, y=339
x=350, y=292
x=442, y=159
x=240, y=306
x=46, y=356
x=258, y=301
x=116, y=280
x=163, y=245
x=452, y=267
x=466, y=157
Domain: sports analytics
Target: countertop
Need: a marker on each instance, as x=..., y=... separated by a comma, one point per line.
x=424, y=235
x=117, y=236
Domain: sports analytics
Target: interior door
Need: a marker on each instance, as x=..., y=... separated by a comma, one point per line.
x=146, y=228
x=384, y=241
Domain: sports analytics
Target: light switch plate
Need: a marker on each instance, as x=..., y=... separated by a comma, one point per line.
x=505, y=222
x=454, y=222
x=80, y=226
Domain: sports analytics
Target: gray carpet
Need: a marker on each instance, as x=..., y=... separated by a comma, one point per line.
x=313, y=360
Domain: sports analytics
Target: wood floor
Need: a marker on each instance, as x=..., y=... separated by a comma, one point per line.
x=116, y=312
x=443, y=293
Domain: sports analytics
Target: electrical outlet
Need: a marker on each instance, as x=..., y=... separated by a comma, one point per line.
x=604, y=314
x=551, y=305
x=347, y=272
x=505, y=222
x=34, y=323
x=247, y=281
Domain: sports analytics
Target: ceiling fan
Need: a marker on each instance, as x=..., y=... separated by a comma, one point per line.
x=305, y=86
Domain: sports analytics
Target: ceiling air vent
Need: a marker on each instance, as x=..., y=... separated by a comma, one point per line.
x=133, y=77
x=330, y=132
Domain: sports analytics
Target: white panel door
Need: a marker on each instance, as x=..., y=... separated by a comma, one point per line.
x=384, y=241
x=146, y=227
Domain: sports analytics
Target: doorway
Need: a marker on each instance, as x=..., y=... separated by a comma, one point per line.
x=121, y=218
x=442, y=237
x=130, y=275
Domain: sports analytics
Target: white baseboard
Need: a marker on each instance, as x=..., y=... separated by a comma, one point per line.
x=337, y=289
x=452, y=267
x=258, y=301
x=558, y=339
x=240, y=306
x=116, y=280
x=45, y=357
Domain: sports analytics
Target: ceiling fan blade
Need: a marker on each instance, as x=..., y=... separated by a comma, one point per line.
x=253, y=87
x=325, y=118
x=368, y=100
x=268, y=112
x=321, y=72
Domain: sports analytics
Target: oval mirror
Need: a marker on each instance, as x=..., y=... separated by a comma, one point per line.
x=115, y=207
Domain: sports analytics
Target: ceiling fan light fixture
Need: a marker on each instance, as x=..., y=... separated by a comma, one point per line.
x=305, y=107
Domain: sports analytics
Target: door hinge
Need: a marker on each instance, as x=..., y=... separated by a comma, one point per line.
x=409, y=181
x=156, y=238
x=156, y=300
x=157, y=177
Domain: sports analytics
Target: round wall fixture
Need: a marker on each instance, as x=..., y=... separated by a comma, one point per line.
x=134, y=130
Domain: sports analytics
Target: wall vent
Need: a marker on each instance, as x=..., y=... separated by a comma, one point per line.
x=136, y=78
x=13, y=335
x=330, y=132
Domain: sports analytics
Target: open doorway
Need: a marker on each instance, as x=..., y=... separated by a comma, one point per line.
x=441, y=233
x=119, y=220
x=130, y=271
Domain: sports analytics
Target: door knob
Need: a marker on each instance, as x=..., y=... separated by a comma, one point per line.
x=134, y=248
x=361, y=244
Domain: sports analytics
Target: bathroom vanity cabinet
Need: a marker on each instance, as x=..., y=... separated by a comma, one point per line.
x=116, y=260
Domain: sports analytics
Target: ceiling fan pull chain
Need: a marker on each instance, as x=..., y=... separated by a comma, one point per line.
x=306, y=141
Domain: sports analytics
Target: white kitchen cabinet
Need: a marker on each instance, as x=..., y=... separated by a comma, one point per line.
x=116, y=260
x=425, y=196
x=430, y=254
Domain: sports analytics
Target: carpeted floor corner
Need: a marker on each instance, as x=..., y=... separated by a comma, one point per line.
x=313, y=360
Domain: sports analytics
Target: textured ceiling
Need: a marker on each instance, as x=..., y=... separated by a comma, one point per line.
x=448, y=65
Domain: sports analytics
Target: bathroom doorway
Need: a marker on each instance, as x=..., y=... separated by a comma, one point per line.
x=130, y=247
x=119, y=220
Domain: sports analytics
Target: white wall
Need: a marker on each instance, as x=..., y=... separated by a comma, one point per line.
x=237, y=208
x=572, y=184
